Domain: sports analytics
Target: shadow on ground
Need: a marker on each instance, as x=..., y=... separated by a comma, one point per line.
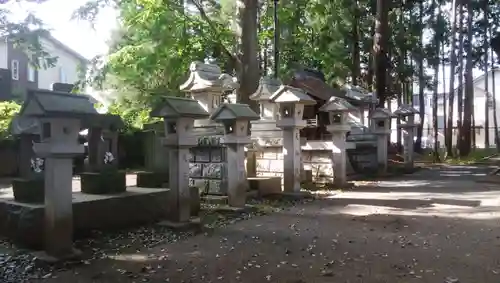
x=427, y=227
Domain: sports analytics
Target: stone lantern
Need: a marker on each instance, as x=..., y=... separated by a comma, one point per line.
x=60, y=117
x=264, y=128
x=380, y=126
x=267, y=87
x=366, y=99
x=235, y=118
x=179, y=115
x=204, y=85
x=407, y=115
x=338, y=110
x=291, y=102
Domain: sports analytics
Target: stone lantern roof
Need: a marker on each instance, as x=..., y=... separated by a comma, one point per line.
x=203, y=78
x=267, y=87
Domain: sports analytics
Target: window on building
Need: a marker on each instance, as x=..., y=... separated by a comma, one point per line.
x=62, y=76
x=14, y=68
x=31, y=73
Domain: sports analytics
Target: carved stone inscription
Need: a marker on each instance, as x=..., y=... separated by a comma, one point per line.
x=207, y=165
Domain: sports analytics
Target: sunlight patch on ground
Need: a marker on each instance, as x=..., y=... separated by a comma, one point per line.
x=439, y=210
x=130, y=257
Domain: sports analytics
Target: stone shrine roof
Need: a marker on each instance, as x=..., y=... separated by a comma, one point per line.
x=291, y=94
x=46, y=103
x=337, y=104
x=405, y=110
x=105, y=121
x=267, y=87
x=178, y=107
x=234, y=111
x=381, y=113
x=202, y=77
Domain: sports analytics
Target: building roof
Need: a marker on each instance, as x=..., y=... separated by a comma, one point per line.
x=66, y=48
x=58, y=44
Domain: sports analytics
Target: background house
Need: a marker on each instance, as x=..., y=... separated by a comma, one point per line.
x=479, y=111
x=24, y=76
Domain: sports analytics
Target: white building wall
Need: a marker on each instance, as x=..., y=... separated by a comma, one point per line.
x=4, y=64
x=64, y=71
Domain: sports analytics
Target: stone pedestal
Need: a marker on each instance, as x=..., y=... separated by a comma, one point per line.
x=339, y=158
x=180, y=204
x=408, y=146
x=292, y=159
x=237, y=183
x=382, y=140
x=58, y=206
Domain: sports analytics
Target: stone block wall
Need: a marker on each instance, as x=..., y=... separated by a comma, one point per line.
x=315, y=158
x=207, y=167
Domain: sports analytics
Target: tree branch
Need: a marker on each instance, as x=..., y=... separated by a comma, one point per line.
x=205, y=17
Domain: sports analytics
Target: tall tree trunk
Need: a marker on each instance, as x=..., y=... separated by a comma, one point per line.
x=355, y=72
x=469, y=89
x=380, y=50
x=442, y=62
x=436, y=157
x=486, y=86
x=249, y=70
x=460, y=88
x=451, y=93
x=494, y=96
x=421, y=82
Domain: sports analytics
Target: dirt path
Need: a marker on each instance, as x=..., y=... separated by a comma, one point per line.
x=433, y=226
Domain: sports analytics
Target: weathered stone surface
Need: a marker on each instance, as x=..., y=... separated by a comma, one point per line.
x=29, y=190
x=23, y=223
x=105, y=182
x=152, y=179
x=265, y=185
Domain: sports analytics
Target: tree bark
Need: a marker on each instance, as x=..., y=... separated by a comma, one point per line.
x=380, y=50
x=467, y=130
x=451, y=93
x=421, y=86
x=486, y=86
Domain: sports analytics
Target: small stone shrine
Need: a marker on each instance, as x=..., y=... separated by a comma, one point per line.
x=102, y=175
x=60, y=118
x=380, y=126
x=407, y=115
x=291, y=102
x=29, y=186
x=179, y=115
x=156, y=171
x=338, y=110
x=235, y=118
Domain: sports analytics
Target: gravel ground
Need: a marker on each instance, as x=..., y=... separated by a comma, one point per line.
x=436, y=225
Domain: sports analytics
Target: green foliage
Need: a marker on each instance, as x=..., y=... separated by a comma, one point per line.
x=8, y=110
x=157, y=40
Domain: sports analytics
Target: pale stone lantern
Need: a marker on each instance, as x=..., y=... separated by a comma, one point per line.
x=205, y=85
x=291, y=102
x=367, y=99
x=380, y=126
x=179, y=115
x=338, y=110
x=407, y=114
x=235, y=118
x=267, y=87
x=60, y=117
